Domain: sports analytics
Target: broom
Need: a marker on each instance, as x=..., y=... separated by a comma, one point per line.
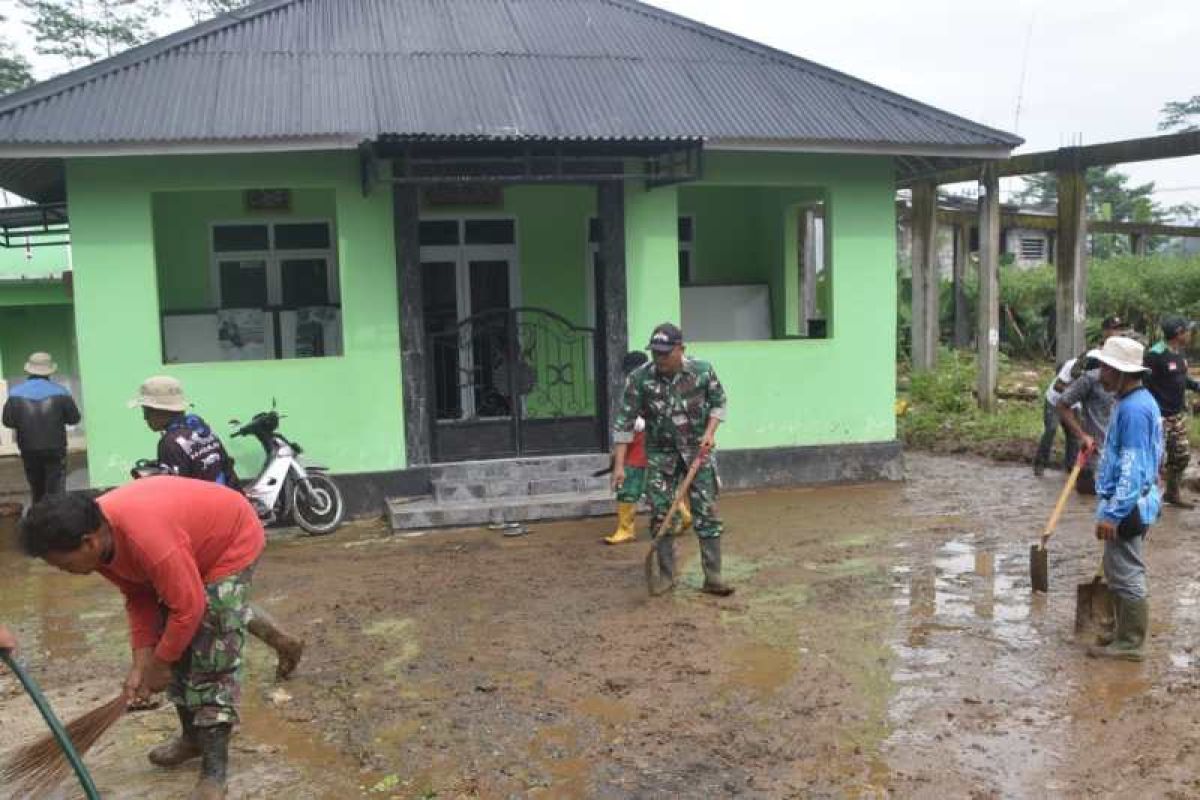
x=37, y=769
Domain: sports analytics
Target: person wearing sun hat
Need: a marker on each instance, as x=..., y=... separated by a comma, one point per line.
x=40, y=410
x=1129, y=497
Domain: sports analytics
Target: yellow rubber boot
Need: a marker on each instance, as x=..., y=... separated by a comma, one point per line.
x=626, y=522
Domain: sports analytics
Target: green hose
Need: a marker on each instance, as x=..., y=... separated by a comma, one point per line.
x=64, y=741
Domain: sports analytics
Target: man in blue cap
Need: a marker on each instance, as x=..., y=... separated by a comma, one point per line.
x=1169, y=382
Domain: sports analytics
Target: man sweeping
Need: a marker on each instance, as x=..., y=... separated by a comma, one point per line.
x=683, y=403
x=183, y=553
x=1127, y=485
x=188, y=447
x=1169, y=382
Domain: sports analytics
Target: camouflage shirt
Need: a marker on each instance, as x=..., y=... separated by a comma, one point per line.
x=676, y=409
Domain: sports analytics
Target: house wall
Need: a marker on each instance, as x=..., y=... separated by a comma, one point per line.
x=28, y=329
x=347, y=410
x=788, y=392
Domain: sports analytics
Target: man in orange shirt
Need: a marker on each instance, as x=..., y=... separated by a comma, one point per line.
x=183, y=553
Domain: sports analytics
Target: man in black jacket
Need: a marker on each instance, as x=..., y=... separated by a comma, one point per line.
x=1169, y=381
x=40, y=410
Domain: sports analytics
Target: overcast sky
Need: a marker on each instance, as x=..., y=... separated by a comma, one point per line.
x=1097, y=70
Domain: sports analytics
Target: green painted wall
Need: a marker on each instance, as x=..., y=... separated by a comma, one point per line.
x=346, y=410
x=819, y=391
x=26, y=330
x=651, y=259
x=33, y=261
x=182, y=238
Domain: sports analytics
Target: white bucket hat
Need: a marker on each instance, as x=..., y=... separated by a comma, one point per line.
x=40, y=364
x=161, y=392
x=1121, y=353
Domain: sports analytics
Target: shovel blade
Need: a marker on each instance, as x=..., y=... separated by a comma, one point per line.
x=1039, y=568
x=1093, y=608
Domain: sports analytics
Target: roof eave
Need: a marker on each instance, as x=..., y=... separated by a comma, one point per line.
x=979, y=151
x=180, y=148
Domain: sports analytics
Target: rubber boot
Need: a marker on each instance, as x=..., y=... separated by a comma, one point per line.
x=214, y=763
x=1108, y=633
x=182, y=748
x=710, y=558
x=1039, y=469
x=1172, y=495
x=664, y=547
x=1133, y=621
x=288, y=649
x=626, y=524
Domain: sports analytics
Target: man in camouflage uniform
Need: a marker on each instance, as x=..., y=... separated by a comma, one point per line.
x=183, y=553
x=1169, y=382
x=682, y=402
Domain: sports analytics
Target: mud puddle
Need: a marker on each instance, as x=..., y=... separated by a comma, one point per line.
x=883, y=642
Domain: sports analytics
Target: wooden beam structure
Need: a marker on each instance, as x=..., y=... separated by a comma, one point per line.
x=926, y=280
x=988, y=335
x=1046, y=222
x=1071, y=264
x=1149, y=148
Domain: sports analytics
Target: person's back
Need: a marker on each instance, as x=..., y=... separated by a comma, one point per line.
x=190, y=449
x=40, y=410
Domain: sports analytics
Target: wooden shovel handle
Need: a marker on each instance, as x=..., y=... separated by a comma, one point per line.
x=682, y=491
x=1080, y=463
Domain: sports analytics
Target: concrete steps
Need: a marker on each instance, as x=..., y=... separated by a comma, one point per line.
x=476, y=493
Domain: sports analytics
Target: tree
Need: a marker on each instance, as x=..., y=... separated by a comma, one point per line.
x=1181, y=115
x=82, y=31
x=14, y=69
x=201, y=10
x=1109, y=197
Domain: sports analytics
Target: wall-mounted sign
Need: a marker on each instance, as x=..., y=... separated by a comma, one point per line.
x=268, y=199
x=464, y=194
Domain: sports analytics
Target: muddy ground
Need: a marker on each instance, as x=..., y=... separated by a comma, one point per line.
x=883, y=642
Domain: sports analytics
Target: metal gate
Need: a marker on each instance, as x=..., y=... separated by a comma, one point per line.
x=512, y=382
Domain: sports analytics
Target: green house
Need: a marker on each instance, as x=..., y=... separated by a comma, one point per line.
x=431, y=228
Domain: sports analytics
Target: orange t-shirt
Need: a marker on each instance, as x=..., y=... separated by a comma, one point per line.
x=171, y=536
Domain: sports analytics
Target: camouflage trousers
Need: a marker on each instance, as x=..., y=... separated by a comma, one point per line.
x=208, y=679
x=665, y=472
x=1178, y=449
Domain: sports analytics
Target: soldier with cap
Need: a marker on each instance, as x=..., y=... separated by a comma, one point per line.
x=40, y=410
x=1169, y=381
x=682, y=402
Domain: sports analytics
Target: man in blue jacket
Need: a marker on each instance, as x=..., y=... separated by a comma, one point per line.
x=40, y=410
x=1130, y=500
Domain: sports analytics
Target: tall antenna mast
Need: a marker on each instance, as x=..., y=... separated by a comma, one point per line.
x=1024, y=71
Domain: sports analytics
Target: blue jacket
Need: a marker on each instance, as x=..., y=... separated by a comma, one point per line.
x=39, y=410
x=1129, y=464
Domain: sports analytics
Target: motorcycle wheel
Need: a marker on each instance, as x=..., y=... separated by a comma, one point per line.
x=317, y=504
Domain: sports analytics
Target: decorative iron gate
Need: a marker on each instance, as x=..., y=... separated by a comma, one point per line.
x=515, y=381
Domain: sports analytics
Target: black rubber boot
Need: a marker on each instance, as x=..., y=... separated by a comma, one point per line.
x=1133, y=623
x=214, y=762
x=664, y=546
x=710, y=558
x=288, y=649
x=182, y=748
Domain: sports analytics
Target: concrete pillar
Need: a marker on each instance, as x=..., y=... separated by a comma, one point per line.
x=1071, y=264
x=925, y=278
x=1139, y=244
x=988, y=333
x=418, y=389
x=651, y=259
x=612, y=314
x=962, y=256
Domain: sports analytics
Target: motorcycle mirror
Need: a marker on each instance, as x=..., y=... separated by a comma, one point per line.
x=234, y=422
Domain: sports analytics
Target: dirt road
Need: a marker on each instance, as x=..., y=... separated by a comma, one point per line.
x=882, y=642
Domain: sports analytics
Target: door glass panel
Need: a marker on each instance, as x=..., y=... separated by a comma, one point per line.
x=305, y=282
x=302, y=236
x=439, y=232
x=491, y=231
x=243, y=283
x=494, y=388
x=440, y=298
x=240, y=238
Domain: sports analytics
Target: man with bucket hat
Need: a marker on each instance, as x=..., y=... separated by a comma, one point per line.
x=1169, y=382
x=189, y=448
x=682, y=401
x=1129, y=499
x=40, y=410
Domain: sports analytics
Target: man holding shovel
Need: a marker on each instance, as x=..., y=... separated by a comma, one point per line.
x=682, y=402
x=1127, y=485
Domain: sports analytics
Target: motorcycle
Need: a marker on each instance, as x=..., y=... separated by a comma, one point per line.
x=287, y=487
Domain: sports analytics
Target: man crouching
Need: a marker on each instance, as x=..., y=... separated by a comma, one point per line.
x=183, y=553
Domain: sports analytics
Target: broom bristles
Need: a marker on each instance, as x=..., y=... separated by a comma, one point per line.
x=36, y=769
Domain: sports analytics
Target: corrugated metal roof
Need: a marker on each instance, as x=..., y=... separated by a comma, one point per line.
x=553, y=69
